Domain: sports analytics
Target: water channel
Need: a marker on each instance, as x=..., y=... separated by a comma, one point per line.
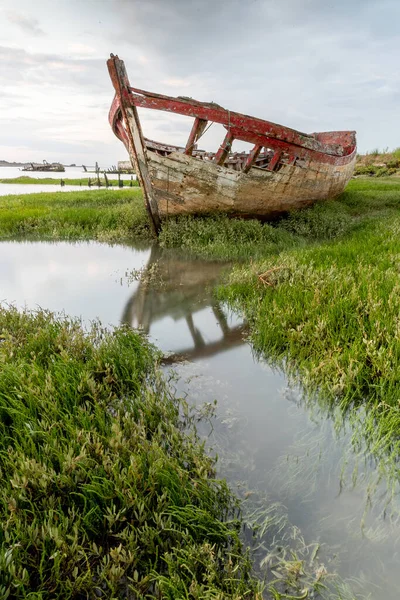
x=288, y=454
x=34, y=188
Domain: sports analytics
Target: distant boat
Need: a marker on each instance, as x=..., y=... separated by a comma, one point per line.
x=45, y=166
x=285, y=169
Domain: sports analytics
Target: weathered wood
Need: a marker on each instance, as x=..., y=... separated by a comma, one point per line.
x=186, y=185
x=198, y=128
x=296, y=169
x=274, y=160
x=224, y=149
x=244, y=135
x=135, y=138
x=251, y=158
x=213, y=112
x=51, y=167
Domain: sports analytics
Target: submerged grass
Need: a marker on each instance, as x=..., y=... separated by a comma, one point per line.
x=106, y=489
x=104, y=215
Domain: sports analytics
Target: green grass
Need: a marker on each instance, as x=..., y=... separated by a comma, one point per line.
x=106, y=489
x=104, y=215
x=326, y=309
x=378, y=164
x=224, y=238
x=25, y=179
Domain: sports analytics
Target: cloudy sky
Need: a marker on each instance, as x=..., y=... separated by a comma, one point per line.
x=314, y=65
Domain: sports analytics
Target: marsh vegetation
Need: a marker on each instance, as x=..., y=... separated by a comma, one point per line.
x=104, y=215
x=378, y=163
x=106, y=489
x=320, y=291
x=26, y=180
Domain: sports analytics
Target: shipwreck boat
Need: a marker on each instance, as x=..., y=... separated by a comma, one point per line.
x=285, y=169
x=45, y=166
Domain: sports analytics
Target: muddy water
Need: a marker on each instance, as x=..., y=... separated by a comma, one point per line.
x=266, y=437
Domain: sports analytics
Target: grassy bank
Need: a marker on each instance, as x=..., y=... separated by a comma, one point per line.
x=344, y=251
x=106, y=490
x=104, y=215
x=365, y=200
x=327, y=306
x=25, y=179
x=378, y=163
x=321, y=291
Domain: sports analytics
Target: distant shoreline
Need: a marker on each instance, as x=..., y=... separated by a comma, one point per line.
x=5, y=163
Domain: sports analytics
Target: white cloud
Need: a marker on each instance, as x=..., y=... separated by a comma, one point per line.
x=27, y=24
x=309, y=65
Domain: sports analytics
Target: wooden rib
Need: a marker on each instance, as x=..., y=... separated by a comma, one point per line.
x=218, y=114
x=224, y=149
x=241, y=132
x=198, y=127
x=251, y=158
x=274, y=160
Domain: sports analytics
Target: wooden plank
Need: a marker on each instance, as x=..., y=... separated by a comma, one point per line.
x=251, y=158
x=263, y=140
x=198, y=128
x=134, y=138
x=274, y=160
x=213, y=112
x=224, y=149
x=201, y=187
x=258, y=138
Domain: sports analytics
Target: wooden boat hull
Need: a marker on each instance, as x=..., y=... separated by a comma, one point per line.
x=183, y=184
x=286, y=169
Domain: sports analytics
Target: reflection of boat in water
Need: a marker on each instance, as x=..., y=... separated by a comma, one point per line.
x=182, y=287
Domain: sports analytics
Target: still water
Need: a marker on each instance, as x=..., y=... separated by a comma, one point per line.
x=279, y=449
x=26, y=188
